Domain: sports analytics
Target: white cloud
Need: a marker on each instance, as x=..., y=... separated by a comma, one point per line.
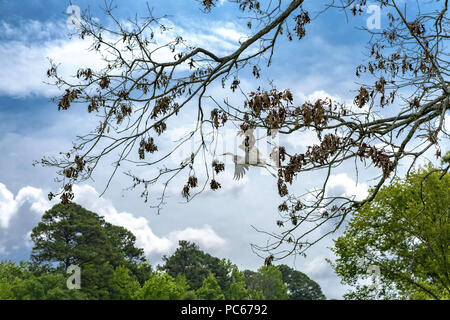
x=342, y=185
x=205, y=236
x=229, y=33
x=25, y=50
x=36, y=197
x=9, y=205
x=25, y=64
x=302, y=140
x=88, y=197
x=318, y=94
x=34, y=29
x=316, y=266
x=17, y=220
x=321, y=94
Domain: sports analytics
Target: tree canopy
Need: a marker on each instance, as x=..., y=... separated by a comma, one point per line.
x=197, y=265
x=300, y=286
x=210, y=289
x=71, y=235
x=405, y=233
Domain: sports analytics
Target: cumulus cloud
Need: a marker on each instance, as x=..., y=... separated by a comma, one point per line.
x=32, y=29
x=88, y=197
x=318, y=94
x=220, y=36
x=26, y=48
x=206, y=237
x=25, y=64
x=324, y=95
x=301, y=141
x=342, y=185
x=229, y=33
x=18, y=215
x=9, y=205
x=16, y=221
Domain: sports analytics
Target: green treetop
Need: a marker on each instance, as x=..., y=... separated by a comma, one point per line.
x=405, y=233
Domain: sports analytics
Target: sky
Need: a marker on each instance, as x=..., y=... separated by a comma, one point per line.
x=32, y=31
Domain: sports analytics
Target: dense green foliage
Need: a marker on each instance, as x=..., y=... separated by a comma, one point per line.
x=300, y=286
x=405, y=233
x=196, y=265
x=113, y=268
x=210, y=289
x=268, y=281
x=71, y=235
x=17, y=282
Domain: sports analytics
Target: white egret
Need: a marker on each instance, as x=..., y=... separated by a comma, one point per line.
x=252, y=158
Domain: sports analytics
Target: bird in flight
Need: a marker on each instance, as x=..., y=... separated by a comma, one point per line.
x=252, y=156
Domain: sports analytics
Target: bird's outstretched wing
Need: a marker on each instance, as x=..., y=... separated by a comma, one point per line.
x=239, y=170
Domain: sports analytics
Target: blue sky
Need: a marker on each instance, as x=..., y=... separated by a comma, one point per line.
x=30, y=127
